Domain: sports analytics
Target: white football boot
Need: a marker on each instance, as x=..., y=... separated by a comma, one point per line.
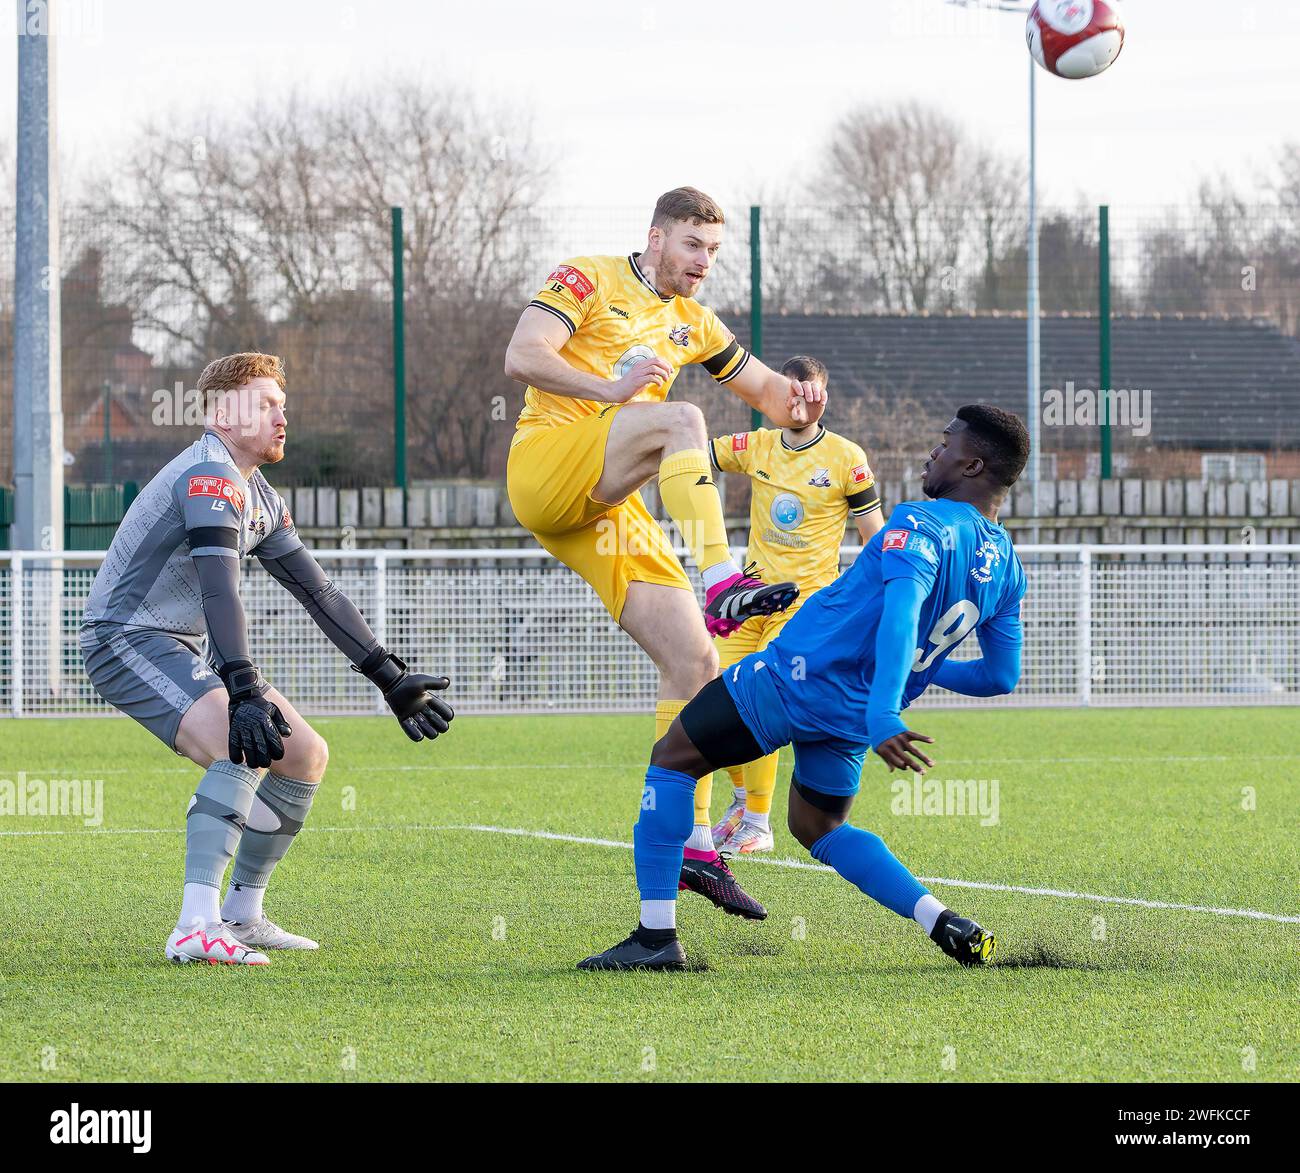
x=726, y=826
x=746, y=839
x=213, y=944
x=264, y=933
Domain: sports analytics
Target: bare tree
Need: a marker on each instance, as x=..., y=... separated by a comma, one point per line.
x=811, y=260
x=1237, y=252
x=271, y=230
x=468, y=183
x=923, y=204
x=1000, y=223
x=1067, y=260
x=8, y=169
x=1284, y=185
x=895, y=426
x=1283, y=238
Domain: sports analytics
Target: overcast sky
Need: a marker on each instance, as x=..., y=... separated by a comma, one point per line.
x=630, y=97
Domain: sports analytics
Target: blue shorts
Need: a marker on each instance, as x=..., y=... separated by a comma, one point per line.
x=829, y=765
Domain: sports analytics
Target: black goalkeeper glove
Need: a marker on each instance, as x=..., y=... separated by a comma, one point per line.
x=411, y=696
x=256, y=725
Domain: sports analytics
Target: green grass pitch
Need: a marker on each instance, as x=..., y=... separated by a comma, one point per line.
x=448, y=953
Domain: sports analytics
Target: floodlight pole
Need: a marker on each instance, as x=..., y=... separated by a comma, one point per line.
x=1031, y=300
x=1032, y=348
x=38, y=393
x=38, y=398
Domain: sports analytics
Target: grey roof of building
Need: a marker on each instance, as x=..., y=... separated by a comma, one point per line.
x=1214, y=382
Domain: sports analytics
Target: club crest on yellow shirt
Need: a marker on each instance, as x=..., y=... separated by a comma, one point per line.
x=786, y=511
x=630, y=358
x=681, y=335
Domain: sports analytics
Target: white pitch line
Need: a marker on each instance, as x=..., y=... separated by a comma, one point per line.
x=96, y=831
x=191, y=771
x=801, y=865
x=1133, y=759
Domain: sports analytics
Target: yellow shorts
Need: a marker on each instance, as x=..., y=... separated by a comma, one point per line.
x=550, y=475
x=753, y=635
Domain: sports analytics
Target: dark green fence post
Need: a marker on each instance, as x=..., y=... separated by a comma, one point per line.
x=755, y=298
x=1103, y=332
x=6, y=515
x=108, y=432
x=399, y=361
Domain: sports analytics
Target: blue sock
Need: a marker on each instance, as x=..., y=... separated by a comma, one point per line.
x=863, y=859
x=660, y=834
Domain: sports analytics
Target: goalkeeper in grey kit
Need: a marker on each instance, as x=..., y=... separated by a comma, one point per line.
x=170, y=579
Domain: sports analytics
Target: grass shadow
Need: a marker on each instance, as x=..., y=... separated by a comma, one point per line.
x=1038, y=956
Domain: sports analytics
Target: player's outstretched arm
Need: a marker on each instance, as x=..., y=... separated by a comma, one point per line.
x=997, y=671
x=534, y=357
x=870, y=523
x=895, y=650
x=210, y=496
x=786, y=402
x=412, y=696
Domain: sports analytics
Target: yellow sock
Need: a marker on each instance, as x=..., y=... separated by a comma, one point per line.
x=737, y=775
x=691, y=498
x=760, y=782
x=665, y=713
x=703, y=799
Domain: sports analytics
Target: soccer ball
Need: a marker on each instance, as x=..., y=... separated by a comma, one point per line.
x=1075, y=38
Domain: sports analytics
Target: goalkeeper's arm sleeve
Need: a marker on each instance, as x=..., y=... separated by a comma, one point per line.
x=895, y=651
x=331, y=610
x=997, y=672
x=222, y=610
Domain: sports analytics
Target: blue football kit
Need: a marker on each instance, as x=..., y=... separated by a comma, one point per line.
x=836, y=679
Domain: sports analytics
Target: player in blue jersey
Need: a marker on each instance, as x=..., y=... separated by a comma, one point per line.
x=834, y=684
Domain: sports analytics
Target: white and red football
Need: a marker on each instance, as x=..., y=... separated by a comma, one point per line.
x=1075, y=38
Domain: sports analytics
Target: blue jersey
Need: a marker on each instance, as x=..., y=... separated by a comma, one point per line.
x=823, y=662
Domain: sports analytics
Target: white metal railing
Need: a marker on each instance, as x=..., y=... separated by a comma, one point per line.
x=518, y=632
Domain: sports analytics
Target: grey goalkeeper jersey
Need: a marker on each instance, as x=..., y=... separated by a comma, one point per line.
x=199, y=504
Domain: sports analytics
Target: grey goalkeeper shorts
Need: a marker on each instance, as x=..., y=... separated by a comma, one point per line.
x=151, y=676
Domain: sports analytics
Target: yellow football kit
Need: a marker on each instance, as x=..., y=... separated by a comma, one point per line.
x=800, y=499
x=615, y=318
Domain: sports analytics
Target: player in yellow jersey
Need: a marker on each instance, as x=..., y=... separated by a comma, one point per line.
x=805, y=484
x=599, y=347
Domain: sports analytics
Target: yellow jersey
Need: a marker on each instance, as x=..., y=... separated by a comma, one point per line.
x=616, y=318
x=800, y=499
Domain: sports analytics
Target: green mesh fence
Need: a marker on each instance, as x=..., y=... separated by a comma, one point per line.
x=912, y=315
